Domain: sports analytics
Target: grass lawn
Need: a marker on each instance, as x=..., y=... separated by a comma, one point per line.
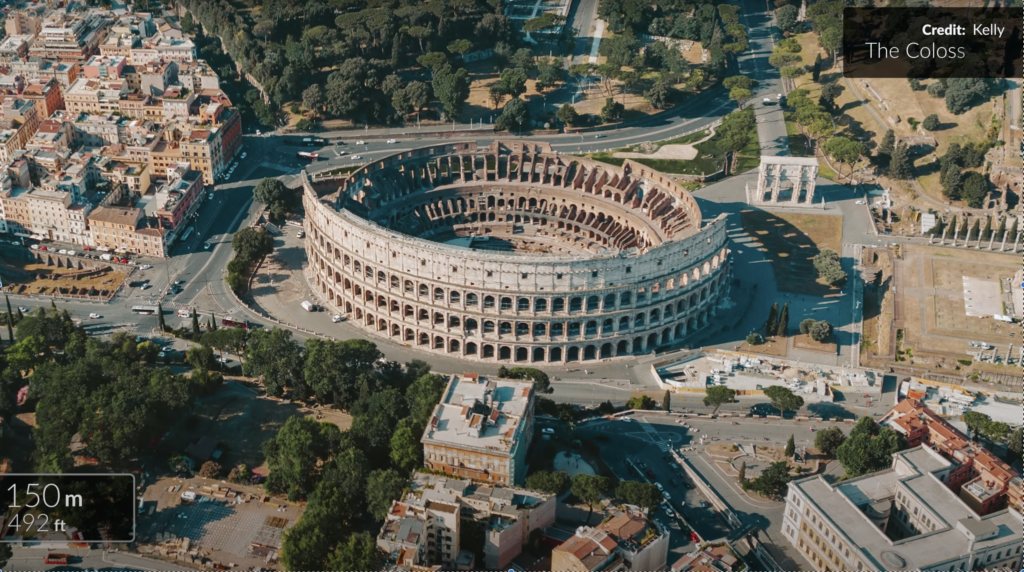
x=790, y=241
x=687, y=139
x=710, y=158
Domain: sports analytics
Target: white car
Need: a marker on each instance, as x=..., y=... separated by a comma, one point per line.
x=62, y=251
x=72, y=253
x=859, y=202
x=671, y=513
x=145, y=286
x=94, y=316
x=766, y=100
x=778, y=96
x=336, y=318
x=548, y=431
x=341, y=153
x=258, y=132
x=167, y=349
x=660, y=488
x=356, y=158
x=666, y=495
x=145, y=267
x=360, y=142
x=392, y=141
x=206, y=246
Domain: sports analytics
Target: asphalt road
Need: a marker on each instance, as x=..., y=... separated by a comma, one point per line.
x=28, y=559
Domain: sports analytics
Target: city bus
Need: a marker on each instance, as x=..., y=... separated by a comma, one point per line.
x=308, y=156
x=145, y=310
x=233, y=323
x=312, y=142
x=188, y=234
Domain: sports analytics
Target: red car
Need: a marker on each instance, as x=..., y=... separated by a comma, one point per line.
x=124, y=261
x=650, y=475
x=43, y=248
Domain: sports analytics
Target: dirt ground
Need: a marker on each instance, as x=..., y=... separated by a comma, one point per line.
x=932, y=309
x=804, y=342
x=790, y=241
x=242, y=419
x=777, y=348
x=49, y=278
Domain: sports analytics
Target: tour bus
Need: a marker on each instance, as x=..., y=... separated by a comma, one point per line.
x=312, y=141
x=308, y=156
x=233, y=323
x=145, y=310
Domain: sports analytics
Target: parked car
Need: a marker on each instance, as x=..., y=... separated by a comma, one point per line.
x=859, y=202
x=206, y=246
x=145, y=267
x=337, y=318
x=548, y=431
x=665, y=495
x=649, y=474
x=668, y=510
x=660, y=488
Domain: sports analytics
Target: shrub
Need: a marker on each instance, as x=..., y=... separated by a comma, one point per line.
x=210, y=470
x=754, y=338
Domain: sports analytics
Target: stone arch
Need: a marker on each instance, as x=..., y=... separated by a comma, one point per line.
x=471, y=323
x=572, y=354
x=538, y=353
x=590, y=352
x=424, y=339
x=409, y=335
x=606, y=350
x=488, y=350
x=540, y=305
x=438, y=343
x=454, y=297
x=555, y=355
x=454, y=346
x=652, y=341
x=504, y=352
x=638, y=345
x=470, y=348
x=622, y=348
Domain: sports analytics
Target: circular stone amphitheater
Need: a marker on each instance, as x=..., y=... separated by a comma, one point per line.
x=514, y=253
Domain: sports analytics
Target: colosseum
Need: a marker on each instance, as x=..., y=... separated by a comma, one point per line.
x=515, y=253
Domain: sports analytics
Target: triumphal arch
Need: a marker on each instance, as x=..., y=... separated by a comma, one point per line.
x=785, y=180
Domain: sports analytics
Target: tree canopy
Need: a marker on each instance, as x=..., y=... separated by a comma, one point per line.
x=783, y=398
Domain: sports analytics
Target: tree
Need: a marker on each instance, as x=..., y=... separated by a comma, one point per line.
x=805, y=325
x=433, y=61
x=783, y=329
x=549, y=72
x=210, y=470
x=251, y=244
x=846, y=151
x=567, y=114
x=195, y=325
x=313, y=98
x=740, y=81
x=773, y=480
x=740, y=95
x=264, y=30
x=382, y=487
x=644, y=495
x=640, y=402
x=589, y=489
x=201, y=358
x=785, y=18
x=975, y=189
x=1015, y=443
x=888, y=143
x=523, y=59
x=976, y=422
x=783, y=399
x=820, y=331
x=931, y=123
x=658, y=94
x=936, y=89
x=551, y=482
x=544, y=21
x=271, y=192
x=717, y=396
x=962, y=92
x=773, y=319
x=828, y=440
x=666, y=402
x=790, y=447
x=816, y=70
x=513, y=81
x=188, y=25
x=461, y=46
x=540, y=380
x=295, y=455
x=276, y=357
x=612, y=111
x=160, y=318
x=357, y=552
x=742, y=477
x=406, y=451
x=868, y=448
x=755, y=339
x=829, y=267
x=451, y=88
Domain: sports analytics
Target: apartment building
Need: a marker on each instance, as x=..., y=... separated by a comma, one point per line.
x=156, y=78
x=89, y=95
x=206, y=147
x=119, y=42
x=70, y=39
x=177, y=200
x=980, y=478
x=626, y=541
x=23, y=22
x=126, y=229
x=54, y=216
x=13, y=48
x=19, y=124
x=35, y=68
x=53, y=135
x=481, y=429
x=197, y=76
x=46, y=94
x=505, y=515
x=902, y=518
x=15, y=217
x=164, y=49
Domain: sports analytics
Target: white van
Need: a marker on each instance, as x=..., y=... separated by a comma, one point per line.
x=308, y=306
x=184, y=313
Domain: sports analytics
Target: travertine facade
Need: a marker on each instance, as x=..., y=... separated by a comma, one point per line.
x=515, y=253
